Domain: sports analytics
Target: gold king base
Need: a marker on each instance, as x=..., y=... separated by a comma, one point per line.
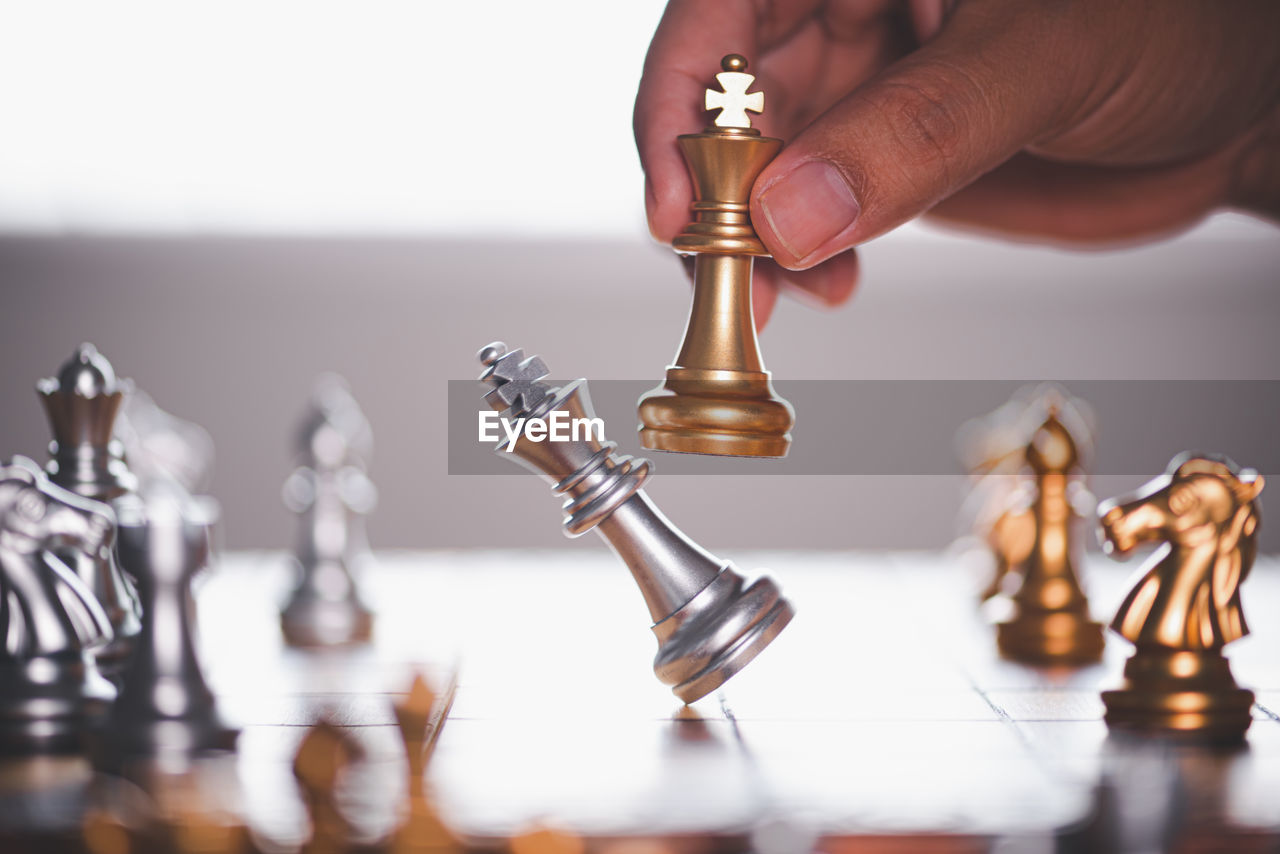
x=1051, y=638
x=705, y=425
x=1183, y=694
x=716, y=412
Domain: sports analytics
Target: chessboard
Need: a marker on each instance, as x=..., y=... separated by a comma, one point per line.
x=881, y=720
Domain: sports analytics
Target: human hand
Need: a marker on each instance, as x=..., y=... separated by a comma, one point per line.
x=1081, y=121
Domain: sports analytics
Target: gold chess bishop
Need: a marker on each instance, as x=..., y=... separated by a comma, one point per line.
x=717, y=397
x=993, y=452
x=1185, y=604
x=1050, y=624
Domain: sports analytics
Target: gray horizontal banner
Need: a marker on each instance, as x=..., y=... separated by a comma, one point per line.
x=910, y=427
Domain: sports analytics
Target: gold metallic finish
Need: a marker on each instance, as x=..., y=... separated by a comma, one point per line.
x=1011, y=536
x=1050, y=624
x=724, y=166
x=717, y=398
x=1185, y=603
x=993, y=451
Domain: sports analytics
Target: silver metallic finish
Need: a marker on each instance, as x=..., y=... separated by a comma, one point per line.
x=709, y=622
x=82, y=402
x=332, y=494
x=51, y=623
x=160, y=446
x=165, y=708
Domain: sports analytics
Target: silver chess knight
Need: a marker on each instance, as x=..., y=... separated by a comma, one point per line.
x=709, y=621
x=331, y=494
x=82, y=403
x=162, y=447
x=165, y=708
x=51, y=623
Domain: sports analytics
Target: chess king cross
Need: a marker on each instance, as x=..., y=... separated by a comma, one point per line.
x=519, y=388
x=734, y=101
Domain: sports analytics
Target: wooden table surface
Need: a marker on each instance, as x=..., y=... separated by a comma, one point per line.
x=881, y=720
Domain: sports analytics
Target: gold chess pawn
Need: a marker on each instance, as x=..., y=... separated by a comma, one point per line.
x=1051, y=623
x=717, y=398
x=1185, y=604
x=419, y=718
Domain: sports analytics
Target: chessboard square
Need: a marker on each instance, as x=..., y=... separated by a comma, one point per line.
x=1048, y=705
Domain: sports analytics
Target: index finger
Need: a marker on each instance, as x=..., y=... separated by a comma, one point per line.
x=689, y=41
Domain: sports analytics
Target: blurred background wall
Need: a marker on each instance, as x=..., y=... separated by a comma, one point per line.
x=228, y=201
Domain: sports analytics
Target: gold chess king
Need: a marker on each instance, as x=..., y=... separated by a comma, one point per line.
x=717, y=397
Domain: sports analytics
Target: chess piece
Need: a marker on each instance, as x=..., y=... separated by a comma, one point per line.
x=993, y=451
x=165, y=708
x=543, y=839
x=708, y=621
x=996, y=442
x=324, y=755
x=421, y=831
x=159, y=809
x=51, y=624
x=81, y=403
x=159, y=446
x=1050, y=623
x=331, y=494
x=717, y=398
x=1011, y=535
x=1184, y=606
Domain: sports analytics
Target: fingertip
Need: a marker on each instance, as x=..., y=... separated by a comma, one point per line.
x=666, y=204
x=840, y=278
x=764, y=296
x=651, y=208
x=828, y=285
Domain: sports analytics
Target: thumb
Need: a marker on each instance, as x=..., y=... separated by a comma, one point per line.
x=928, y=125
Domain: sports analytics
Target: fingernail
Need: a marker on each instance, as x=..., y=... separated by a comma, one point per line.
x=809, y=207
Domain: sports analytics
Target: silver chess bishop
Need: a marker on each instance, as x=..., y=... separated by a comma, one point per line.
x=331, y=494
x=82, y=403
x=710, y=623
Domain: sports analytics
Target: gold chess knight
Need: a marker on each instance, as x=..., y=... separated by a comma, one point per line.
x=1050, y=624
x=717, y=397
x=1185, y=606
x=710, y=623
